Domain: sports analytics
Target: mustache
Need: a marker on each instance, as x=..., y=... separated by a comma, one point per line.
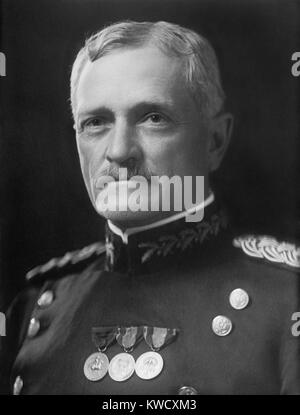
x=114, y=172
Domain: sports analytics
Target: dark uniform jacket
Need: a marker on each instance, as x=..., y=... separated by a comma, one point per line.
x=228, y=303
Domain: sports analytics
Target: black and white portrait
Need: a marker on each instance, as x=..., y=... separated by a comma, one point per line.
x=150, y=197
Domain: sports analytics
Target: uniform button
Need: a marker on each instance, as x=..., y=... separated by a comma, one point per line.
x=46, y=299
x=18, y=385
x=221, y=325
x=34, y=327
x=239, y=299
x=187, y=390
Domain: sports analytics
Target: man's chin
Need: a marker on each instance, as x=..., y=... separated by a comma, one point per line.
x=115, y=206
x=117, y=203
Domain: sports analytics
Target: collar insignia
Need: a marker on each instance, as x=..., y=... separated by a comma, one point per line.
x=167, y=244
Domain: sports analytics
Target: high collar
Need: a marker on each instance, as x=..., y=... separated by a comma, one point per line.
x=151, y=247
x=131, y=231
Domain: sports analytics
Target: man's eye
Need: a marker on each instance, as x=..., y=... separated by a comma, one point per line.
x=94, y=122
x=155, y=118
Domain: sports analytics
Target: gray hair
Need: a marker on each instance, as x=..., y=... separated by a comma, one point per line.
x=201, y=70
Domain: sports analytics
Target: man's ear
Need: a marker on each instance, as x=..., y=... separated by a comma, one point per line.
x=221, y=131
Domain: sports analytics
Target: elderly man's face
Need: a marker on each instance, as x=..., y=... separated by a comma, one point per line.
x=134, y=110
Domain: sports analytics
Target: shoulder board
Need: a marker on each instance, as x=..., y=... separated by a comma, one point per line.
x=269, y=248
x=69, y=260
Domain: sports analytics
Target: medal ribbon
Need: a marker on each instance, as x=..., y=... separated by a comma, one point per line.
x=158, y=337
x=102, y=337
x=128, y=337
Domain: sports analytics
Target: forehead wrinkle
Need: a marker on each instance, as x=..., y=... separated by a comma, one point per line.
x=175, y=105
x=154, y=102
x=106, y=90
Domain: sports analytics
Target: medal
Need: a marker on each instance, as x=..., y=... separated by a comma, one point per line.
x=96, y=365
x=121, y=367
x=149, y=365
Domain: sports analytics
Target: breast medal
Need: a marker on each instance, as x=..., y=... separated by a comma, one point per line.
x=150, y=364
x=97, y=364
x=121, y=367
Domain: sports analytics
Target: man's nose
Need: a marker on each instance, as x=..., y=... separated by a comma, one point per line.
x=122, y=147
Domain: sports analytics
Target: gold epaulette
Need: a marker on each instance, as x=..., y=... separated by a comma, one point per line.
x=269, y=248
x=69, y=259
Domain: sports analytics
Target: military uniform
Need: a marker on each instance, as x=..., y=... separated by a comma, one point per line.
x=221, y=307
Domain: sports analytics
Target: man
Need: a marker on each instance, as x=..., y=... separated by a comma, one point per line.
x=169, y=304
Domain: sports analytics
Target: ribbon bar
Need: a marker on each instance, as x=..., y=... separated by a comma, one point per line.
x=158, y=337
x=128, y=337
x=103, y=337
